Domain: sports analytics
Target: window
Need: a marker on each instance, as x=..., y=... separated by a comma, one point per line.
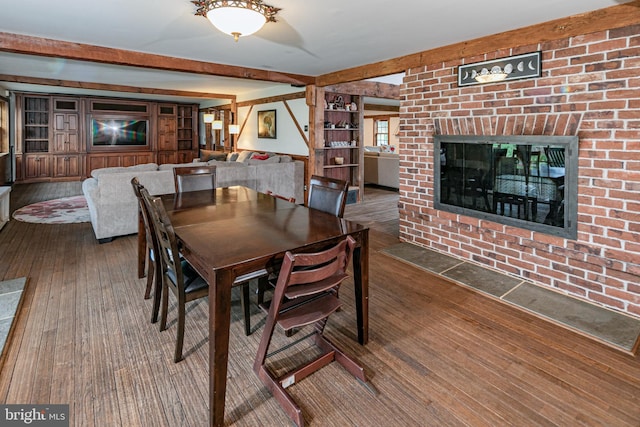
x=381, y=131
x=4, y=126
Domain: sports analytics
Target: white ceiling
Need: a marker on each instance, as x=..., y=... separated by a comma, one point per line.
x=311, y=37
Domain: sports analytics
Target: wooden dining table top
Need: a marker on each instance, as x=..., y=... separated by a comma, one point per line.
x=227, y=232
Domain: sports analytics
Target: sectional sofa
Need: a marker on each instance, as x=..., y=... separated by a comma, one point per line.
x=113, y=206
x=381, y=167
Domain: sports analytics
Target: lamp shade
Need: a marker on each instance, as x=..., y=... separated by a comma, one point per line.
x=234, y=129
x=236, y=21
x=216, y=124
x=207, y=118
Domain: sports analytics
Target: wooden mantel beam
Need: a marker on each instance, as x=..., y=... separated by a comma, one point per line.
x=29, y=45
x=112, y=87
x=599, y=20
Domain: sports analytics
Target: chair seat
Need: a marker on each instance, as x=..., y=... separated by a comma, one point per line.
x=192, y=280
x=295, y=314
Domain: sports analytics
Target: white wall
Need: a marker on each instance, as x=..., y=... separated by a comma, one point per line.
x=288, y=138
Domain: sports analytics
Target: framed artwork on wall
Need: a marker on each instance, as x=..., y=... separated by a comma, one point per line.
x=267, y=124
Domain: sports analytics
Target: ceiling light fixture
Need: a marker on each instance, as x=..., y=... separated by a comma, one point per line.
x=238, y=18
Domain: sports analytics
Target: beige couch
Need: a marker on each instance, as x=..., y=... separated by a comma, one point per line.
x=113, y=206
x=382, y=169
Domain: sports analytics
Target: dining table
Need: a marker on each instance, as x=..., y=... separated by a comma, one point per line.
x=230, y=231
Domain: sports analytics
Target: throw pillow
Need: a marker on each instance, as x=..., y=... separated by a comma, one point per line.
x=260, y=156
x=232, y=157
x=206, y=155
x=244, y=156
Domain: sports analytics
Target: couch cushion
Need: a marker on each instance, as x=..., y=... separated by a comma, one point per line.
x=137, y=168
x=167, y=166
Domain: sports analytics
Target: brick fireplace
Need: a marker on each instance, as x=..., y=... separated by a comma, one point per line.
x=590, y=88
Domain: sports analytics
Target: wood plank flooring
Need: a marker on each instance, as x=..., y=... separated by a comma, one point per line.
x=439, y=354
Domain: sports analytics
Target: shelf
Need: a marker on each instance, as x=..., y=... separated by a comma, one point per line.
x=340, y=111
x=340, y=148
x=334, y=129
x=346, y=165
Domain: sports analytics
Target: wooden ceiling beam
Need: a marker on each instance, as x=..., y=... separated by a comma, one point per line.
x=365, y=88
x=599, y=20
x=29, y=45
x=112, y=87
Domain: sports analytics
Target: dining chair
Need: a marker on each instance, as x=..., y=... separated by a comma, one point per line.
x=153, y=271
x=194, y=178
x=180, y=277
x=325, y=194
x=306, y=294
x=328, y=194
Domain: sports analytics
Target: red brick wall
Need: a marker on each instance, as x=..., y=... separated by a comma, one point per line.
x=590, y=86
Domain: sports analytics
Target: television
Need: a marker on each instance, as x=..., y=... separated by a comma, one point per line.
x=119, y=132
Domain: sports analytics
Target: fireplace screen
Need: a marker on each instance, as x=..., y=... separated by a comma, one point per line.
x=524, y=181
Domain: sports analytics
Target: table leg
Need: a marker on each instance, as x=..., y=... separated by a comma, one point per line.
x=219, y=322
x=361, y=286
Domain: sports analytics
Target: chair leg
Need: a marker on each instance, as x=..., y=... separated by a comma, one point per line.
x=150, y=277
x=244, y=301
x=282, y=397
x=157, y=291
x=165, y=305
x=262, y=288
x=180, y=334
x=347, y=362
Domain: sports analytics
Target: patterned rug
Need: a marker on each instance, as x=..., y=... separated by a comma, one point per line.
x=67, y=210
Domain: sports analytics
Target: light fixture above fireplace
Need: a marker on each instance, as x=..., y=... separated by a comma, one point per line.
x=512, y=68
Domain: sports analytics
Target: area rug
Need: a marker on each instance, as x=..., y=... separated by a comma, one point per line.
x=68, y=210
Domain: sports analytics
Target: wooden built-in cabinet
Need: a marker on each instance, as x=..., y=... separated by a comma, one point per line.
x=341, y=155
x=54, y=135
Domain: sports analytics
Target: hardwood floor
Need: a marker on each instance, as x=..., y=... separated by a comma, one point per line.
x=439, y=354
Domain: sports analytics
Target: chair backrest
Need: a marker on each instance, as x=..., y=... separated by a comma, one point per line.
x=288, y=199
x=169, y=256
x=194, y=178
x=328, y=194
x=148, y=224
x=307, y=276
x=555, y=156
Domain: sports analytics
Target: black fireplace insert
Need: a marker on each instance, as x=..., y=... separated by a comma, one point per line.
x=524, y=181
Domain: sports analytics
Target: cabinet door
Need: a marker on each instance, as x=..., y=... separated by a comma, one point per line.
x=66, y=166
x=66, y=133
x=167, y=139
x=186, y=156
x=167, y=157
x=37, y=166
